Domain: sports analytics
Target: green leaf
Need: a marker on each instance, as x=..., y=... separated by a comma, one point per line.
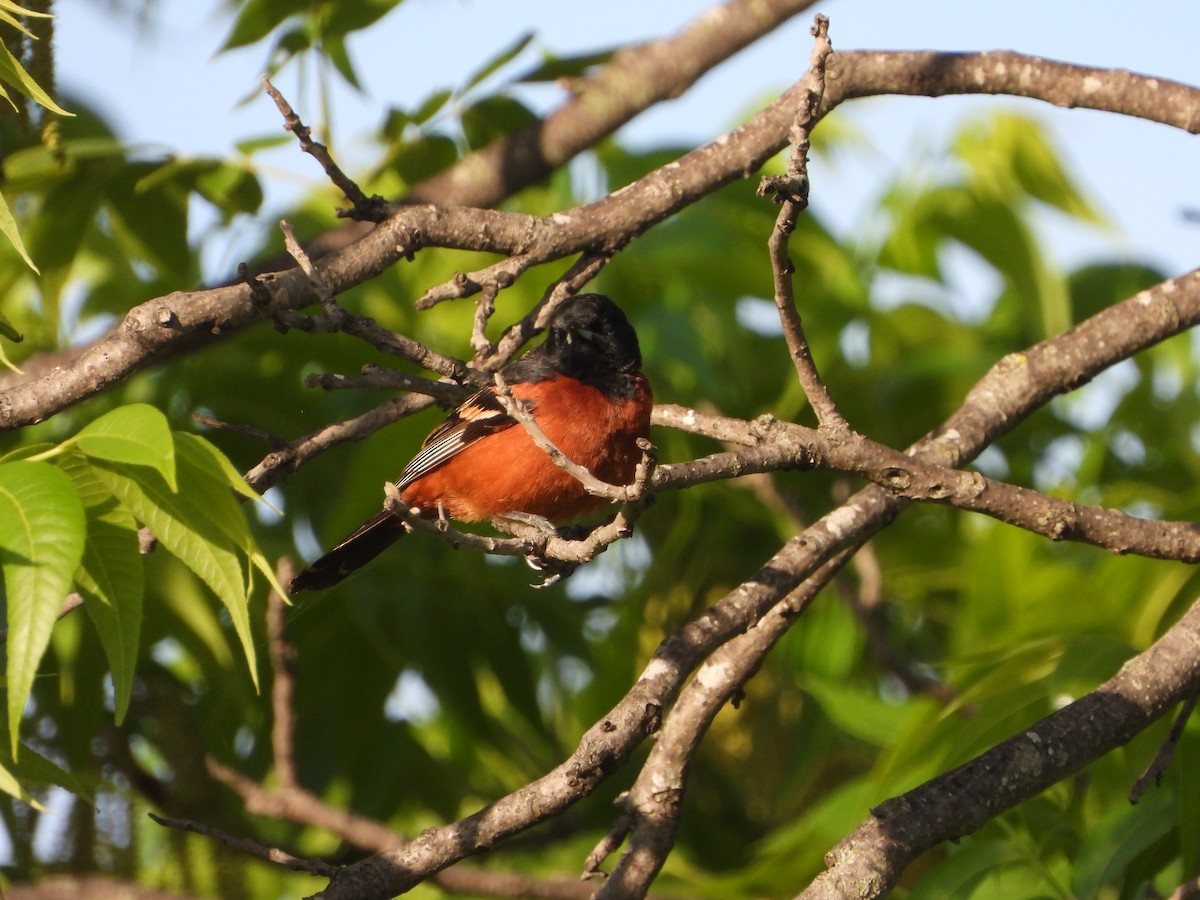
x=201, y=524
x=1123, y=834
x=32, y=770
x=340, y=19
x=11, y=72
x=335, y=51
x=151, y=223
x=15, y=9
x=860, y=712
x=217, y=468
x=417, y=160
x=8, y=226
x=112, y=581
x=1012, y=155
x=10, y=785
x=65, y=219
x=6, y=362
x=962, y=871
x=183, y=531
x=36, y=168
x=258, y=18
x=42, y=528
x=111, y=577
x=500, y=59
x=136, y=434
x=250, y=146
x=553, y=68
x=431, y=105
x=494, y=117
x=28, y=451
x=1101, y=285
x=6, y=327
x=231, y=189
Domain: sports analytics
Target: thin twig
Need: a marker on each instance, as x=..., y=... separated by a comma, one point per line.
x=237, y=428
x=516, y=408
x=485, y=307
x=608, y=844
x=1162, y=759
x=249, y=847
x=320, y=287
x=365, y=208
x=791, y=191
x=282, y=656
x=582, y=271
x=373, y=377
x=465, y=284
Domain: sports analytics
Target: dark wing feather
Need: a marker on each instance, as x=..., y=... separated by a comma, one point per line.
x=478, y=416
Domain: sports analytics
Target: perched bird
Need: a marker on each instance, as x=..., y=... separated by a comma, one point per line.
x=585, y=389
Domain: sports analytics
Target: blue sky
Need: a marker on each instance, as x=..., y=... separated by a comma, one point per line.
x=165, y=87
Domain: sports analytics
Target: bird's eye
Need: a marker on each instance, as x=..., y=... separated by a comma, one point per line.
x=586, y=334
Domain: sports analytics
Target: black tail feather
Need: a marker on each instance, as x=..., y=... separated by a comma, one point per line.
x=359, y=548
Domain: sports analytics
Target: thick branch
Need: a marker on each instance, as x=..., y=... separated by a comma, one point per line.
x=869, y=73
x=1020, y=381
x=632, y=81
x=175, y=323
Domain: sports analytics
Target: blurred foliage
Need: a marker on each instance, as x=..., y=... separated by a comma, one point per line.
x=435, y=681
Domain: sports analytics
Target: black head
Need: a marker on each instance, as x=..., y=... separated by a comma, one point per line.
x=590, y=338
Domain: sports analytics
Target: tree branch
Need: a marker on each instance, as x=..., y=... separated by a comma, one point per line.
x=869, y=861
x=791, y=192
x=183, y=321
x=635, y=79
x=656, y=798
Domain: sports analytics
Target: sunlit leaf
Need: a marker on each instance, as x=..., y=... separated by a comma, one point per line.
x=861, y=713
x=6, y=362
x=42, y=528
x=137, y=434
x=31, y=769
x=8, y=226
x=13, y=73
x=111, y=577
x=231, y=189
x=15, y=9
x=201, y=524
x=219, y=472
x=1013, y=155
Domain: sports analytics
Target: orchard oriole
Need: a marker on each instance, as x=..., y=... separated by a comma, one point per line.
x=585, y=389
